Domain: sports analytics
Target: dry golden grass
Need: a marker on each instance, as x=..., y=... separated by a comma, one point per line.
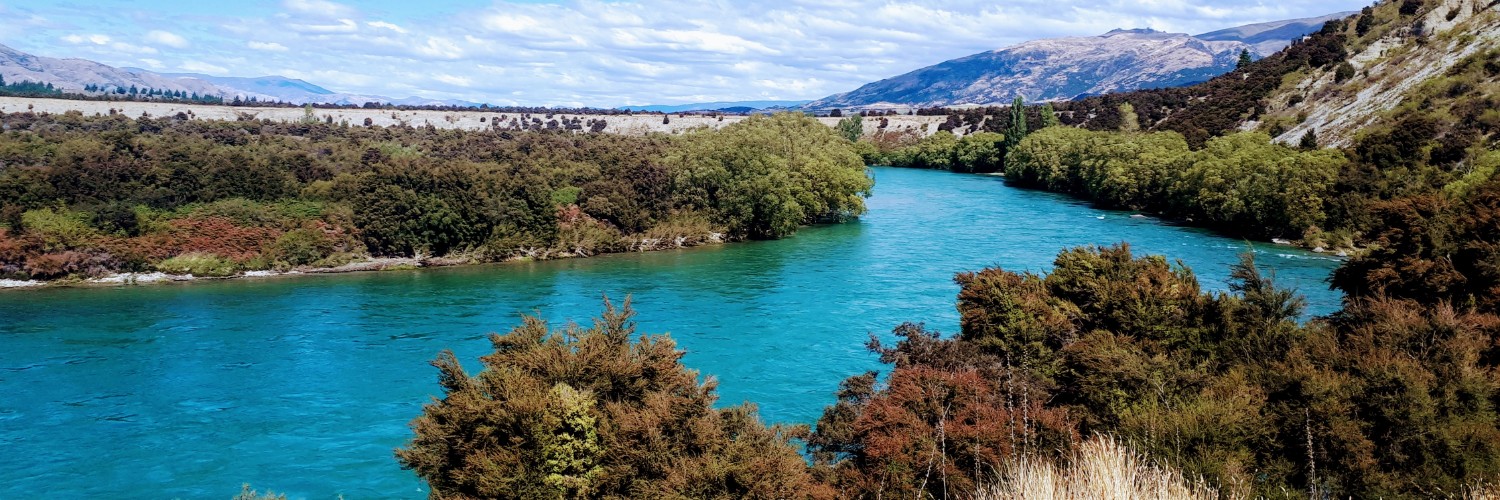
x=1102, y=469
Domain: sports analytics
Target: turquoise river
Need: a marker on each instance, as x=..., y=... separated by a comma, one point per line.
x=305, y=385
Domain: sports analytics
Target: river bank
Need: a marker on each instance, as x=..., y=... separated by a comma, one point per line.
x=374, y=264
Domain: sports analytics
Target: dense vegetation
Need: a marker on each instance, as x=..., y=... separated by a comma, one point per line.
x=1179, y=152
x=594, y=413
x=1389, y=398
x=83, y=196
x=1397, y=395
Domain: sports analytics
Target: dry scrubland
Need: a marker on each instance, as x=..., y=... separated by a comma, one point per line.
x=636, y=124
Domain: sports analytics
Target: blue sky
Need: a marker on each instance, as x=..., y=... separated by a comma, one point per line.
x=588, y=52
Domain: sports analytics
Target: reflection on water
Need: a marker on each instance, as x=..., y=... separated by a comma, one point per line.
x=305, y=385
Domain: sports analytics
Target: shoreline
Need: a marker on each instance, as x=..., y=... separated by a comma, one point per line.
x=371, y=265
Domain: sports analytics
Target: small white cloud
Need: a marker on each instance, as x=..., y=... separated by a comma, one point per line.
x=459, y=81
x=340, y=26
x=386, y=25
x=203, y=67
x=267, y=46
x=322, y=8
x=95, y=39
x=440, y=48
x=167, y=38
x=153, y=63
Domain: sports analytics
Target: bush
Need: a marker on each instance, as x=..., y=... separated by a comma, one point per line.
x=198, y=264
x=581, y=413
x=58, y=229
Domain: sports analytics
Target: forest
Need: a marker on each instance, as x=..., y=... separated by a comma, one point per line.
x=88, y=196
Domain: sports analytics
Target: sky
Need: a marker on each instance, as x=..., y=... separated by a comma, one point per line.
x=588, y=52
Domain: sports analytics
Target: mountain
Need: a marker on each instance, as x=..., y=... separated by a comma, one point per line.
x=1267, y=38
x=735, y=106
x=279, y=87
x=75, y=74
x=1065, y=68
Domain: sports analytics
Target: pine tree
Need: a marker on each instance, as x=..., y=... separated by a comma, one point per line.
x=1309, y=140
x=1245, y=59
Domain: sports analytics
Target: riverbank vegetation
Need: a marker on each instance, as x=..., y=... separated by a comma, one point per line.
x=1394, y=396
x=1183, y=153
x=84, y=196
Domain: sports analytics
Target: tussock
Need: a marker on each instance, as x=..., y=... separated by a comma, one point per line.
x=1103, y=468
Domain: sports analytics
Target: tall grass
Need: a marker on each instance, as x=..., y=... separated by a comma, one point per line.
x=1102, y=468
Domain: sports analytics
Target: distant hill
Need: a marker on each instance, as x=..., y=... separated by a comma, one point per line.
x=728, y=107
x=1067, y=68
x=74, y=75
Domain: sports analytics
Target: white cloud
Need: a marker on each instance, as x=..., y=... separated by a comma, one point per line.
x=338, y=26
x=152, y=63
x=386, y=25
x=203, y=67
x=460, y=81
x=167, y=38
x=266, y=46
x=95, y=39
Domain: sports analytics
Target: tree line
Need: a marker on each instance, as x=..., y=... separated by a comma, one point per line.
x=83, y=196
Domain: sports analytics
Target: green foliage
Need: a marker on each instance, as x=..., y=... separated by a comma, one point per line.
x=1245, y=59
x=1244, y=182
x=1049, y=116
x=581, y=412
x=851, y=127
x=765, y=176
x=58, y=229
x=199, y=264
x=1129, y=121
x=131, y=192
x=1017, y=129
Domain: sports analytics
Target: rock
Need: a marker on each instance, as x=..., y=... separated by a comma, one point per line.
x=1280, y=241
x=1320, y=250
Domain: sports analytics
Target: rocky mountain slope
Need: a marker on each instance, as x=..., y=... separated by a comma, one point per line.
x=1421, y=64
x=1065, y=68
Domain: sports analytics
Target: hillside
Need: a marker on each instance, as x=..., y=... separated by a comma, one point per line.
x=1441, y=63
x=1065, y=68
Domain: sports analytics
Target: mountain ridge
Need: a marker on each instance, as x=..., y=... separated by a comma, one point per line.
x=1071, y=67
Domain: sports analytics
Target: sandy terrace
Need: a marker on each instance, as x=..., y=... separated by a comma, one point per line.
x=466, y=120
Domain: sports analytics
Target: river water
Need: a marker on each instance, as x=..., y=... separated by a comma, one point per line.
x=305, y=385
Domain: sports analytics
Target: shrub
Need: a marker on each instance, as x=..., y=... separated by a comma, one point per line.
x=69, y=263
x=198, y=264
x=581, y=412
x=58, y=229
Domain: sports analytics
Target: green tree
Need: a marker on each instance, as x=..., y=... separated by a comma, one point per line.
x=1245, y=59
x=851, y=127
x=766, y=176
x=1049, y=116
x=1129, y=120
x=1017, y=129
